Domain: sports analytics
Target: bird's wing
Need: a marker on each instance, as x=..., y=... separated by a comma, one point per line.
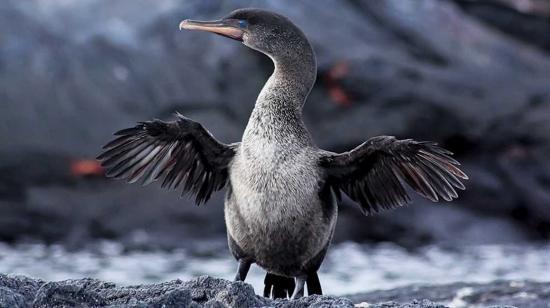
x=373, y=173
x=180, y=153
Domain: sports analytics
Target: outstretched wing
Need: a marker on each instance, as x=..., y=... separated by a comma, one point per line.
x=180, y=153
x=373, y=173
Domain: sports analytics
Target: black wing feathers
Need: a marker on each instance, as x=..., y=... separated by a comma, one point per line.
x=179, y=153
x=373, y=173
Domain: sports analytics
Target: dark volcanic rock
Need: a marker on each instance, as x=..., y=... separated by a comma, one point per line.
x=523, y=294
x=473, y=77
x=18, y=291
x=9, y=298
x=71, y=293
x=201, y=292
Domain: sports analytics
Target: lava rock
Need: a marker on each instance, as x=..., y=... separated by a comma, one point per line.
x=525, y=294
x=200, y=292
x=74, y=72
x=205, y=291
x=9, y=298
x=70, y=293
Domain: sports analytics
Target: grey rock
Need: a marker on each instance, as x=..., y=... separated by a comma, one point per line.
x=21, y=285
x=413, y=304
x=9, y=298
x=73, y=73
x=314, y=301
x=204, y=291
x=526, y=294
x=82, y=292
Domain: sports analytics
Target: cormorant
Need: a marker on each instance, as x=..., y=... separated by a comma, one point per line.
x=282, y=190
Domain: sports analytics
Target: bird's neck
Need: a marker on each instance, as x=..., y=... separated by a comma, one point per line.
x=291, y=81
x=277, y=115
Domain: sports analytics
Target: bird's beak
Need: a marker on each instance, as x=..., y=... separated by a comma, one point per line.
x=226, y=27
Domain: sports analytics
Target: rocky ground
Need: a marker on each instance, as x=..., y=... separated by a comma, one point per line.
x=205, y=291
x=523, y=294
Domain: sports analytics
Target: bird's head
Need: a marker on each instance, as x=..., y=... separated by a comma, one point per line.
x=262, y=30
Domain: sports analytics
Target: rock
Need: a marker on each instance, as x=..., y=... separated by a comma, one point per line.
x=472, y=75
x=200, y=292
x=70, y=293
x=9, y=298
x=413, y=304
x=19, y=286
x=525, y=294
x=531, y=20
x=204, y=291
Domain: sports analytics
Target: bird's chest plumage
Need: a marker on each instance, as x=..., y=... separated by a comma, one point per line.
x=270, y=179
x=273, y=204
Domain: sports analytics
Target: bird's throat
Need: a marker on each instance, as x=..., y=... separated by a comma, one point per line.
x=292, y=80
x=278, y=110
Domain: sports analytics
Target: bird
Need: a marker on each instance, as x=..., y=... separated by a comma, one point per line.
x=282, y=191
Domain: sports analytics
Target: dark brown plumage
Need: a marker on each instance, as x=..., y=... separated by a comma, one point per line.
x=179, y=153
x=373, y=173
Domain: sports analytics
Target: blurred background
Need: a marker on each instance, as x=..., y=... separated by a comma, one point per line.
x=471, y=75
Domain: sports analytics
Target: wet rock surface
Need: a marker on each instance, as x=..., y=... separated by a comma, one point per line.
x=456, y=72
x=205, y=291
x=496, y=294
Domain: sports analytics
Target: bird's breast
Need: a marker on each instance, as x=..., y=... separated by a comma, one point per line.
x=266, y=174
x=274, y=205
x=271, y=182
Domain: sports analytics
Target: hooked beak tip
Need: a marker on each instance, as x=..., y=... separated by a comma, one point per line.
x=183, y=24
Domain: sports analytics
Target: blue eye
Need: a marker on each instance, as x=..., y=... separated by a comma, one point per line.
x=243, y=23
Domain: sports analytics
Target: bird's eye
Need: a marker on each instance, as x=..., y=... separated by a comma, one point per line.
x=243, y=23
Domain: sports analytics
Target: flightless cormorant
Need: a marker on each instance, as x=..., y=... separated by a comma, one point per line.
x=282, y=190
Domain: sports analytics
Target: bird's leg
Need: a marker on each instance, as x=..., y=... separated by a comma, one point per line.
x=313, y=284
x=242, y=271
x=299, y=288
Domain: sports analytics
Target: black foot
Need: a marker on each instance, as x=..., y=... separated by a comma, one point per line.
x=299, y=289
x=278, y=286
